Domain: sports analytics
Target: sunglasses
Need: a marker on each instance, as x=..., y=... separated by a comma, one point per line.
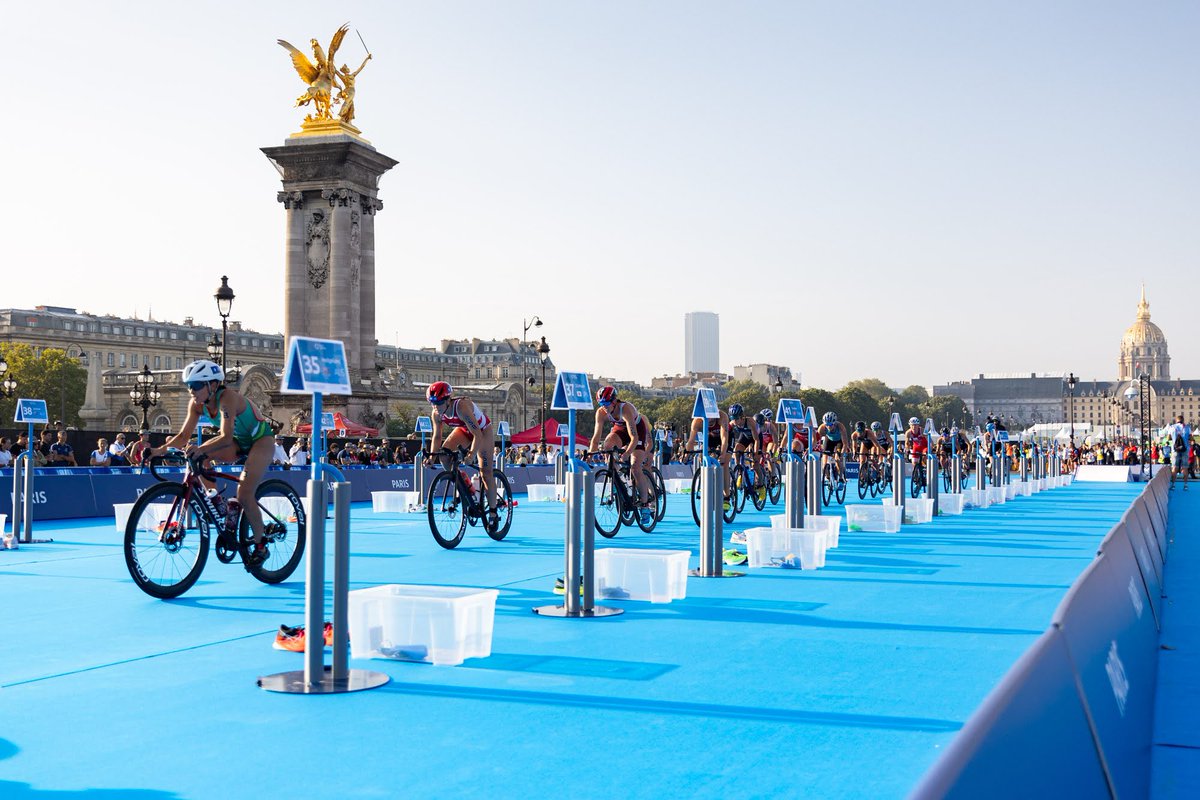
x=196, y=386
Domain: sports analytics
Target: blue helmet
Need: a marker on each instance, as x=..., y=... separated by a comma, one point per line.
x=736, y=411
x=830, y=418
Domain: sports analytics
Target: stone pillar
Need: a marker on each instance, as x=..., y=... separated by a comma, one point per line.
x=329, y=190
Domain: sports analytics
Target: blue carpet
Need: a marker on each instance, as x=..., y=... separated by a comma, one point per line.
x=842, y=682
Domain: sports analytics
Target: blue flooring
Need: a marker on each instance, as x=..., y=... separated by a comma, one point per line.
x=1175, y=758
x=842, y=682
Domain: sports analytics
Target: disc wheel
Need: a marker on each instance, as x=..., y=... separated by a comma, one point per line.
x=503, y=506
x=607, y=506
x=285, y=530
x=166, y=540
x=447, y=520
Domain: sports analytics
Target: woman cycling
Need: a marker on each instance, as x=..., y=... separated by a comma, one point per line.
x=469, y=427
x=244, y=432
x=630, y=431
x=833, y=437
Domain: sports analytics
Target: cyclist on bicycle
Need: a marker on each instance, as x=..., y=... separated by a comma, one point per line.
x=864, y=443
x=631, y=431
x=244, y=432
x=883, y=442
x=743, y=432
x=916, y=443
x=469, y=427
x=766, y=432
x=718, y=442
x=946, y=447
x=799, y=440
x=834, y=438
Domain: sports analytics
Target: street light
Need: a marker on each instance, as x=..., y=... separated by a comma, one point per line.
x=224, y=298
x=8, y=385
x=544, y=351
x=535, y=322
x=1071, y=381
x=214, y=347
x=145, y=394
x=778, y=385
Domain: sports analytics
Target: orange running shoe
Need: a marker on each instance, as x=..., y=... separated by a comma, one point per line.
x=294, y=640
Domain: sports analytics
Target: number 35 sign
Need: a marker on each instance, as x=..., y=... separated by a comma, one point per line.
x=315, y=365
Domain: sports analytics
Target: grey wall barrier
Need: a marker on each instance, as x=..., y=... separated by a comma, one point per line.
x=1113, y=642
x=1030, y=737
x=1074, y=715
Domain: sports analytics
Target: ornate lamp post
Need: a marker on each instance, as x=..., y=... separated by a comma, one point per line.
x=145, y=394
x=224, y=297
x=8, y=385
x=1144, y=419
x=214, y=348
x=778, y=385
x=544, y=352
x=1071, y=381
x=526, y=380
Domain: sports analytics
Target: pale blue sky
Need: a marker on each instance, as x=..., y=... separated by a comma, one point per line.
x=1007, y=172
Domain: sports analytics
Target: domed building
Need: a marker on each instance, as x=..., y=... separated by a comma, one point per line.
x=1144, y=348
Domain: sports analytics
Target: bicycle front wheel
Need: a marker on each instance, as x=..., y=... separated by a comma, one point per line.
x=166, y=540
x=284, y=531
x=827, y=483
x=740, y=489
x=775, y=484
x=757, y=490
x=447, y=522
x=607, y=505
x=696, y=496
x=503, y=506
x=660, y=493
x=864, y=481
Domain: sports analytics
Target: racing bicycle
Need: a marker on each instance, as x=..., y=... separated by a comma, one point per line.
x=170, y=527
x=616, y=501
x=457, y=498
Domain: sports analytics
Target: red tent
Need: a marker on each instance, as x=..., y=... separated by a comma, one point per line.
x=343, y=426
x=553, y=436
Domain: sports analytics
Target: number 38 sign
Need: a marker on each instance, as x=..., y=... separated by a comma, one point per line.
x=315, y=365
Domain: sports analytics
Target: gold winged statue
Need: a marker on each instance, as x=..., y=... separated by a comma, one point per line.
x=321, y=77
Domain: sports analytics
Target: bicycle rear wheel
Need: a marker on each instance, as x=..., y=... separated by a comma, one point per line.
x=696, y=505
x=757, y=492
x=284, y=531
x=166, y=540
x=635, y=501
x=946, y=478
x=447, y=521
x=607, y=506
x=740, y=487
x=503, y=506
x=918, y=480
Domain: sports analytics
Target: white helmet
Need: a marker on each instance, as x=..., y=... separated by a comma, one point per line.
x=203, y=370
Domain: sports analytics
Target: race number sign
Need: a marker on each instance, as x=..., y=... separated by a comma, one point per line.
x=790, y=412
x=31, y=411
x=706, y=404
x=315, y=366
x=571, y=392
x=424, y=425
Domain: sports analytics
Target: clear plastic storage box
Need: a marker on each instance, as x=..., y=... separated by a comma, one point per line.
x=437, y=624
x=768, y=547
x=545, y=492
x=879, y=518
x=950, y=503
x=401, y=502
x=918, y=510
x=659, y=576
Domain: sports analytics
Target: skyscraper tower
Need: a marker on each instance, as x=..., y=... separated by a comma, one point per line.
x=701, y=342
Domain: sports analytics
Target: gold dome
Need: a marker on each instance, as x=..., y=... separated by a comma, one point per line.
x=1143, y=331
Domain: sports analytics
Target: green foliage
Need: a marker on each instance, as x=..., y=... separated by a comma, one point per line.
x=854, y=404
x=877, y=389
x=54, y=377
x=402, y=418
x=943, y=410
x=753, y=396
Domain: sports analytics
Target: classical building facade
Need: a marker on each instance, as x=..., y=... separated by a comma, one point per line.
x=490, y=370
x=1143, y=376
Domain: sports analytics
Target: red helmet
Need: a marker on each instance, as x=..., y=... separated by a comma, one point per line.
x=438, y=392
x=606, y=395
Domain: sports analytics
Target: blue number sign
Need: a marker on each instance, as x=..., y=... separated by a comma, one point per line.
x=502, y=428
x=790, y=412
x=572, y=393
x=706, y=404
x=316, y=365
x=424, y=424
x=31, y=411
x=328, y=423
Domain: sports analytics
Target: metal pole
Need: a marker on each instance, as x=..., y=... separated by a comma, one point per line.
x=419, y=475
x=793, y=499
x=931, y=470
x=341, y=582
x=560, y=467
x=898, y=479
x=956, y=476
x=573, y=542
x=18, y=475
x=813, y=485
x=588, y=524
x=314, y=595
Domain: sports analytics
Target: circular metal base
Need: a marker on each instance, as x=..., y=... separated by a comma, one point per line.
x=695, y=573
x=594, y=611
x=293, y=682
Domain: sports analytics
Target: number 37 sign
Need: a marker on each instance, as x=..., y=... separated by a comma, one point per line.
x=315, y=365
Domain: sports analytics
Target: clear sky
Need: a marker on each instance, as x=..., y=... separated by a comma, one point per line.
x=916, y=191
